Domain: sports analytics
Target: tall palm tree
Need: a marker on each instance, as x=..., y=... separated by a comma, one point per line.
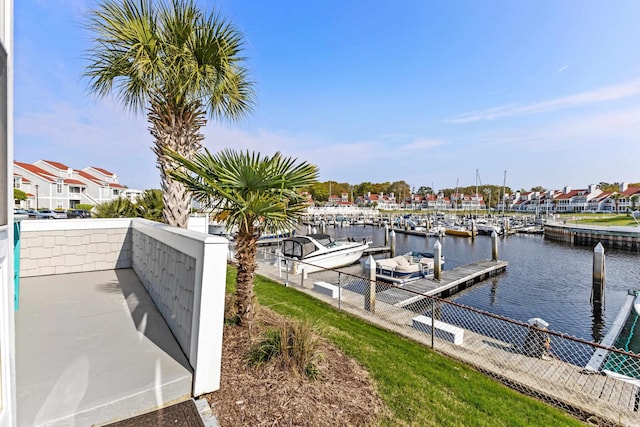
x=257, y=194
x=171, y=59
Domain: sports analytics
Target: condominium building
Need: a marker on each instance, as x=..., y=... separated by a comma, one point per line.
x=54, y=185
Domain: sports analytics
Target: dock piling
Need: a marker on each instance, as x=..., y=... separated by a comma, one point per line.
x=392, y=244
x=473, y=229
x=437, y=255
x=597, y=291
x=386, y=234
x=494, y=246
x=370, y=291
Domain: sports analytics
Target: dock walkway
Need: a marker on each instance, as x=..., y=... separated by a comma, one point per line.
x=452, y=281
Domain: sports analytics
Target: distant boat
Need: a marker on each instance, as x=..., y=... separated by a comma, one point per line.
x=458, y=230
x=319, y=251
x=406, y=268
x=488, y=229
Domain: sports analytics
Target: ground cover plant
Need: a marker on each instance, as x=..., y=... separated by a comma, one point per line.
x=419, y=386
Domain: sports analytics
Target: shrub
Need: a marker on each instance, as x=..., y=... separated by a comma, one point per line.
x=292, y=344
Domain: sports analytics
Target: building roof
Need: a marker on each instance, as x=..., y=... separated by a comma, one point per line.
x=102, y=171
x=47, y=176
x=57, y=165
x=570, y=194
x=115, y=185
x=24, y=178
x=90, y=177
x=631, y=191
x=74, y=181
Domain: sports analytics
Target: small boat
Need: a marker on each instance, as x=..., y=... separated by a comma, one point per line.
x=406, y=268
x=458, y=230
x=317, y=252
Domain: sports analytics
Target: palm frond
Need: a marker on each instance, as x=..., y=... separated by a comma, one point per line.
x=247, y=185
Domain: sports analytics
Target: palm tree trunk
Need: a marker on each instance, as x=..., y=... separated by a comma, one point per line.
x=176, y=128
x=246, y=258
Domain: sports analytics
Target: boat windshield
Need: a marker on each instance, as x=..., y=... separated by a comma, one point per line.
x=298, y=247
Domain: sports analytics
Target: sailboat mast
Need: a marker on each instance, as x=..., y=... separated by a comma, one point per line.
x=504, y=186
x=477, y=198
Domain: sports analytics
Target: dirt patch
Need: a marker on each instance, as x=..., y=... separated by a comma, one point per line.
x=269, y=396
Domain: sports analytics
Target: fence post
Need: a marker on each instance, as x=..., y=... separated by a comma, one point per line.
x=494, y=246
x=339, y=291
x=437, y=256
x=286, y=277
x=433, y=315
x=370, y=284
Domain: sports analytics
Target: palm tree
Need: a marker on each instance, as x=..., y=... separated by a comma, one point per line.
x=257, y=194
x=116, y=208
x=149, y=205
x=176, y=62
x=616, y=199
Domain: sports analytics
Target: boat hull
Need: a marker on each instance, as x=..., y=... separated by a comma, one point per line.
x=460, y=233
x=329, y=260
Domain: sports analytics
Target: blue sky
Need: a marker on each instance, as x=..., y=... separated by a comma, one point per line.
x=421, y=91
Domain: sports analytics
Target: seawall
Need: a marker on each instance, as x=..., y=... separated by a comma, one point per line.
x=589, y=235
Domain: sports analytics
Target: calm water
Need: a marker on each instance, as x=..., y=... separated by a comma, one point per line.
x=544, y=279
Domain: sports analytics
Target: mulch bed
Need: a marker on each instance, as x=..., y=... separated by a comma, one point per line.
x=270, y=396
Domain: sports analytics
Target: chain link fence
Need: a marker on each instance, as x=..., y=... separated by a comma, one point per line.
x=594, y=381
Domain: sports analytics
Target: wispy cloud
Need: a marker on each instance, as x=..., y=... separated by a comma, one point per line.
x=421, y=144
x=561, y=69
x=609, y=93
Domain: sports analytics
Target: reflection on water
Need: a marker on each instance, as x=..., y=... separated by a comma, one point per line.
x=544, y=279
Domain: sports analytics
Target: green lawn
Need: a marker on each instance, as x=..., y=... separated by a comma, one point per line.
x=421, y=387
x=606, y=220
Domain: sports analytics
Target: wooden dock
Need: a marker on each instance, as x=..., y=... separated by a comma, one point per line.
x=373, y=250
x=452, y=281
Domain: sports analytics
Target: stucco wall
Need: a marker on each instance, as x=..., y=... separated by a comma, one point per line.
x=73, y=246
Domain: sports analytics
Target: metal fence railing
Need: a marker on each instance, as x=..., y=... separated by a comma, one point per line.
x=586, y=378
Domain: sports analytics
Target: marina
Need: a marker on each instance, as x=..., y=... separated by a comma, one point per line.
x=545, y=278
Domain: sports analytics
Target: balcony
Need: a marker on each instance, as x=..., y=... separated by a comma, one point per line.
x=117, y=317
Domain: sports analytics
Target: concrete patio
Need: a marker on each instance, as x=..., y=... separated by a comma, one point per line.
x=93, y=348
x=97, y=345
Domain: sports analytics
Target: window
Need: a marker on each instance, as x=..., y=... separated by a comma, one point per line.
x=75, y=190
x=116, y=192
x=17, y=181
x=58, y=204
x=59, y=186
x=73, y=203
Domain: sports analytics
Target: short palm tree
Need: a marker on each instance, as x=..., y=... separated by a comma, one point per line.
x=257, y=194
x=149, y=205
x=116, y=208
x=176, y=62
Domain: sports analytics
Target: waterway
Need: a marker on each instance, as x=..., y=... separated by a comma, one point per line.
x=544, y=279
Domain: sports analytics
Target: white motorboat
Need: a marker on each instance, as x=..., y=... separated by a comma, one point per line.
x=315, y=252
x=488, y=229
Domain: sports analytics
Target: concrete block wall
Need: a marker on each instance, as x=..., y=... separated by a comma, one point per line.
x=168, y=275
x=73, y=246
